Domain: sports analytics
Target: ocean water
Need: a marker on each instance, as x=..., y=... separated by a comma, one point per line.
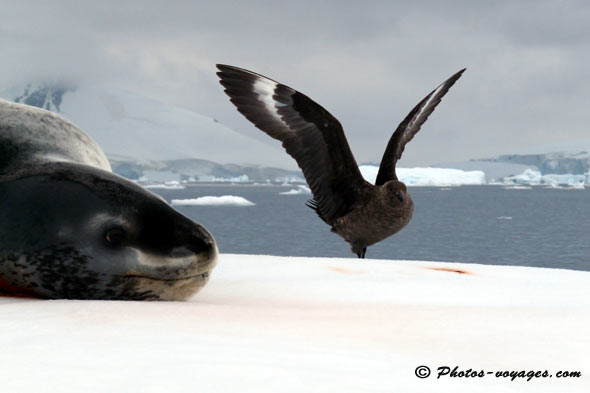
x=539, y=227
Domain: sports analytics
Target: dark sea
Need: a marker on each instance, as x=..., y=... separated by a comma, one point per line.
x=540, y=227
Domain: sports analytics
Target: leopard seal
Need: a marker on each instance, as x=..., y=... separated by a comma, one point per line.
x=70, y=228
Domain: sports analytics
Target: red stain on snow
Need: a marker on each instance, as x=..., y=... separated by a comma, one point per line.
x=343, y=270
x=449, y=269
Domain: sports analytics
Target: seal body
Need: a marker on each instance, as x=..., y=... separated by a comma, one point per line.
x=70, y=228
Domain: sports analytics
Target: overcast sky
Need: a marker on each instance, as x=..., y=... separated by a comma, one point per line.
x=526, y=87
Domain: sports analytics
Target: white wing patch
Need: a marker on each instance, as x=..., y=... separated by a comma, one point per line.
x=265, y=89
x=433, y=96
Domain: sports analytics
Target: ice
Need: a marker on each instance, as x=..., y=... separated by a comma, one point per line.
x=215, y=179
x=429, y=176
x=533, y=177
x=517, y=187
x=169, y=185
x=213, y=201
x=298, y=191
x=285, y=324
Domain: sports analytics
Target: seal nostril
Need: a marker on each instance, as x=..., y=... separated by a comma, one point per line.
x=194, y=238
x=200, y=242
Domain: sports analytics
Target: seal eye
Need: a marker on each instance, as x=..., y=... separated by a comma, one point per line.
x=399, y=195
x=115, y=236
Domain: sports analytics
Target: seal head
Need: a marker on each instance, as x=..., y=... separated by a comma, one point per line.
x=73, y=230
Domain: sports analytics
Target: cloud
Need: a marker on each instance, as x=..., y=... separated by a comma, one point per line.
x=368, y=63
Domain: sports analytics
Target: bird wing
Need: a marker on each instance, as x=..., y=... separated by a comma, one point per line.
x=408, y=128
x=311, y=135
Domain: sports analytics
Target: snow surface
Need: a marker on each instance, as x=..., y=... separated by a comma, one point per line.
x=284, y=324
x=214, y=201
x=429, y=176
x=297, y=191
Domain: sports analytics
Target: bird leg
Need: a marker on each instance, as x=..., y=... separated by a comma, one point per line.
x=361, y=254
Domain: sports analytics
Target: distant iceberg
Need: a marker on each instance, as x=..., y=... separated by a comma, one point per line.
x=533, y=177
x=297, y=191
x=216, y=179
x=225, y=200
x=169, y=185
x=429, y=176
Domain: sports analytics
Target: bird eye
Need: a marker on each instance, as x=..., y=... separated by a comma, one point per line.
x=116, y=236
x=399, y=195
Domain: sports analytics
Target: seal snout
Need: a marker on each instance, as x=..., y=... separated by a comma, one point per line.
x=178, y=266
x=192, y=238
x=197, y=239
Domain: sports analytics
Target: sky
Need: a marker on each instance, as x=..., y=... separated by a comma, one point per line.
x=367, y=62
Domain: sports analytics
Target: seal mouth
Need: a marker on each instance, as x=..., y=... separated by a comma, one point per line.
x=168, y=279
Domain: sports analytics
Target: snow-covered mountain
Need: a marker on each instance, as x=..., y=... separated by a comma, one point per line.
x=148, y=139
x=44, y=96
x=131, y=127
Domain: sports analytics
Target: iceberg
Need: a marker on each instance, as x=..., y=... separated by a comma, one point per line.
x=429, y=176
x=533, y=177
x=297, y=191
x=216, y=179
x=169, y=185
x=283, y=324
x=225, y=200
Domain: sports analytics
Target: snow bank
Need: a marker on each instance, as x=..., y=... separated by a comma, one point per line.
x=297, y=191
x=429, y=176
x=213, y=201
x=276, y=324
